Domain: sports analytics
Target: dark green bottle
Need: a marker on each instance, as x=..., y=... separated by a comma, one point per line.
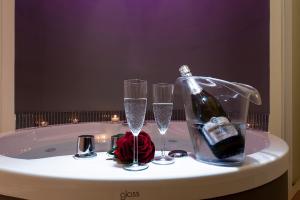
x=214, y=125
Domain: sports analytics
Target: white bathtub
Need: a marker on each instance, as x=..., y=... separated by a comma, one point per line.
x=38, y=163
x=34, y=143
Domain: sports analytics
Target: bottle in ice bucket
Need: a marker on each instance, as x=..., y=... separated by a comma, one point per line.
x=222, y=137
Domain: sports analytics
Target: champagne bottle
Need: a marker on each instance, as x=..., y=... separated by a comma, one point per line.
x=220, y=134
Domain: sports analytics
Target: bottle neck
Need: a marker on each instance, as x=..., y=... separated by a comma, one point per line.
x=195, y=88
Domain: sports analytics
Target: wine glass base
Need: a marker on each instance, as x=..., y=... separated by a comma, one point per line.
x=163, y=160
x=136, y=167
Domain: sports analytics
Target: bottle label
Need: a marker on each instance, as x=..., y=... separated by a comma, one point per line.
x=218, y=129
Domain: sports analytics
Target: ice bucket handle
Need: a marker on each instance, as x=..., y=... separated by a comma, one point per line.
x=246, y=91
x=249, y=92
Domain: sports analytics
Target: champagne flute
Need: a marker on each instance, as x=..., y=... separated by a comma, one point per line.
x=162, y=109
x=135, y=103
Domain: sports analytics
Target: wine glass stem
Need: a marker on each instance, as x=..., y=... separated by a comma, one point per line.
x=135, y=150
x=163, y=145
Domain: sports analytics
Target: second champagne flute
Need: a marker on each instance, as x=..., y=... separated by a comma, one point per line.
x=135, y=103
x=162, y=109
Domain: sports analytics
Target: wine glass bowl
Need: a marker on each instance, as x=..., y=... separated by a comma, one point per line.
x=135, y=103
x=162, y=109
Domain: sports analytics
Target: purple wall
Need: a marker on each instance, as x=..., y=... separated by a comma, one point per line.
x=74, y=54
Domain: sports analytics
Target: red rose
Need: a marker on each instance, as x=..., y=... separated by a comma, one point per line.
x=124, y=151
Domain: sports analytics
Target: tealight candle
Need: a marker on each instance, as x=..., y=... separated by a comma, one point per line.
x=115, y=118
x=75, y=120
x=43, y=123
x=100, y=138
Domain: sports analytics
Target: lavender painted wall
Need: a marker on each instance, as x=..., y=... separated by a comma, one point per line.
x=74, y=54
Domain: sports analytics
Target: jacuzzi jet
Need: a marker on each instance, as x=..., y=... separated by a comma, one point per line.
x=52, y=149
x=85, y=147
x=178, y=153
